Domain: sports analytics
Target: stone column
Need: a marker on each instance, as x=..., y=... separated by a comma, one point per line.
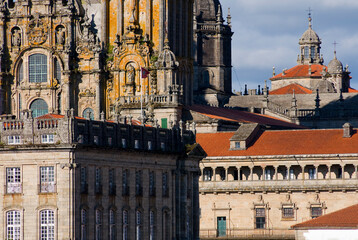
x=329, y=172
x=66, y=89
x=98, y=97
x=226, y=174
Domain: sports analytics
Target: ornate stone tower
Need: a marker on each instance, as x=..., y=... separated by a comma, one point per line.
x=151, y=34
x=50, y=58
x=212, y=53
x=310, y=46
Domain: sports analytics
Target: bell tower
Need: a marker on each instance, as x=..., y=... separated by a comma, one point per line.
x=155, y=35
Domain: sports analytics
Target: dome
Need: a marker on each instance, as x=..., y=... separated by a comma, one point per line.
x=309, y=36
x=206, y=9
x=166, y=58
x=335, y=66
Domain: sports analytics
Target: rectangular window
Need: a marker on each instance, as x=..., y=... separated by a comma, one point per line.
x=312, y=173
x=260, y=218
x=268, y=174
x=138, y=183
x=162, y=146
x=316, y=212
x=151, y=184
x=165, y=190
x=138, y=225
x=288, y=212
x=98, y=219
x=112, y=182
x=83, y=224
x=125, y=225
x=136, y=144
x=109, y=140
x=124, y=143
x=14, y=139
x=237, y=145
x=13, y=180
x=47, y=138
x=47, y=179
x=112, y=225
x=208, y=173
x=84, y=185
x=125, y=187
x=13, y=225
x=151, y=225
x=150, y=145
x=307, y=54
x=47, y=225
x=98, y=181
x=313, y=52
x=292, y=174
x=95, y=140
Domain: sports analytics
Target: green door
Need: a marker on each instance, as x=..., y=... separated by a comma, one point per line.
x=221, y=226
x=164, y=123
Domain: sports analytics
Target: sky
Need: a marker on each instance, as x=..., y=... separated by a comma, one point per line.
x=266, y=35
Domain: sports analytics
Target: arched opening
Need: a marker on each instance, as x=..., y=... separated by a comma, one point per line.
x=38, y=107
x=220, y=173
x=257, y=173
x=244, y=173
x=207, y=174
x=282, y=172
x=349, y=171
x=269, y=173
x=322, y=172
x=336, y=171
x=232, y=174
x=88, y=113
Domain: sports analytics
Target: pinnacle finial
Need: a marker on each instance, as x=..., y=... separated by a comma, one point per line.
x=229, y=17
x=309, y=17
x=166, y=42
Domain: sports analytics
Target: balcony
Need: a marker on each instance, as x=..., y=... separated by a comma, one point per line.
x=280, y=185
x=13, y=188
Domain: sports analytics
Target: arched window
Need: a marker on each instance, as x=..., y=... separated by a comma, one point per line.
x=38, y=68
x=13, y=225
x=39, y=107
x=57, y=70
x=20, y=69
x=88, y=113
x=47, y=225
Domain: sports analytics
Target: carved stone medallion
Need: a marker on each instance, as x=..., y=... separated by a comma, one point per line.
x=37, y=31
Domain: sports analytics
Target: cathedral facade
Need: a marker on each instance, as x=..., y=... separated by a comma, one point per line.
x=90, y=56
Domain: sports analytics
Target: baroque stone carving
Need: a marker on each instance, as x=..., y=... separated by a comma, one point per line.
x=37, y=31
x=16, y=37
x=60, y=35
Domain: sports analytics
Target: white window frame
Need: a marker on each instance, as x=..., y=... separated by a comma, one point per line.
x=47, y=179
x=14, y=139
x=13, y=225
x=13, y=180
x=47, y=230
x=47, y=138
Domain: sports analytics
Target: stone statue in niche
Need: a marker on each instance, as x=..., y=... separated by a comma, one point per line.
x=60, y=36
x=133, y=10
x=130, y=79
x=16, y=38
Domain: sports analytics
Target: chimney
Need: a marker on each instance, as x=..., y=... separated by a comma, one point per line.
x=347, y=130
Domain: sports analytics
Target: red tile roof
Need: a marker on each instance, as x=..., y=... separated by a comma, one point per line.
x=239, y=116
x=289, y=89
x=352, y=90
x=282, y=142
x=301, y=71
x=344, y=218
x=50, y=116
